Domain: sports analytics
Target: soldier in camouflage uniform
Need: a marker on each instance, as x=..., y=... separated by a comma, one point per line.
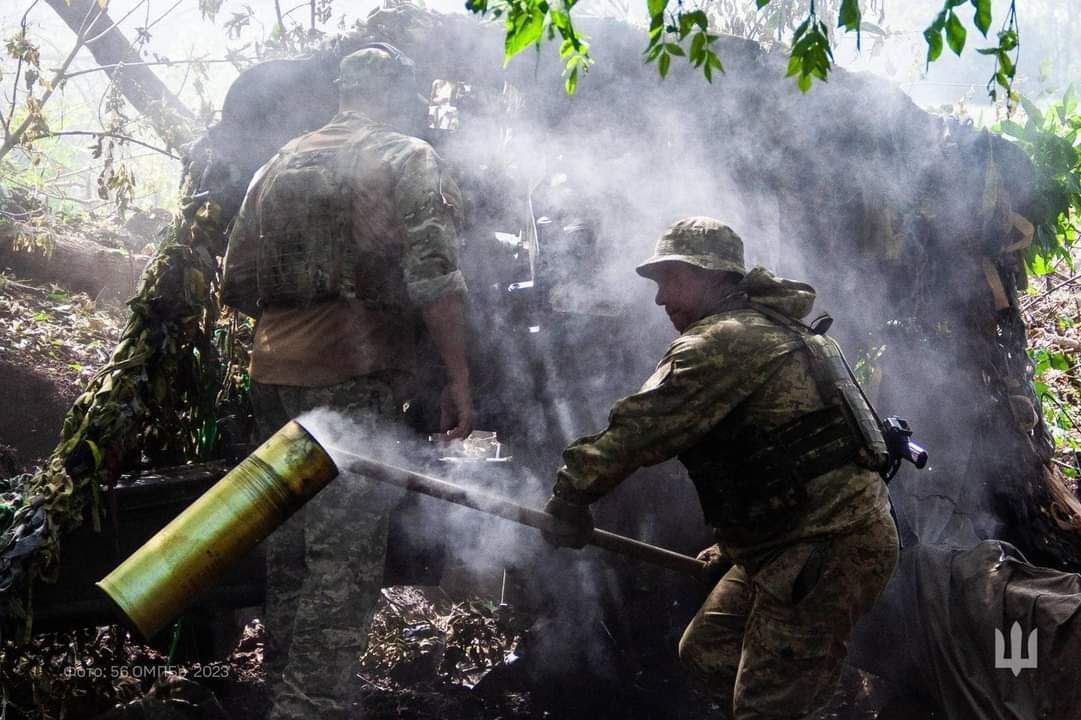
x=345, y=240
x=743, y=400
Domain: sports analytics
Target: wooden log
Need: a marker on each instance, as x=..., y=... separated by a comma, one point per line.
x=79, y=265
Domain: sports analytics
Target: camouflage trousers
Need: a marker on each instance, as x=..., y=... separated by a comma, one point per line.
x=325, y=564
x=771, y=643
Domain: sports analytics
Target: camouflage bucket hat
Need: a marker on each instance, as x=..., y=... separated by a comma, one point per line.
x=699, y=241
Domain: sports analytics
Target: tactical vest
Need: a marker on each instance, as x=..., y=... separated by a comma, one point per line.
x=752, y=482
x=306, y=252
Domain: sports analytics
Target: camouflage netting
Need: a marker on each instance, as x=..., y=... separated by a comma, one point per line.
x=153, y=403
x=903, y=221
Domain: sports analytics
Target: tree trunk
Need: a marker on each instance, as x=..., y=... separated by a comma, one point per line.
x=79, y=265
x=143, y=89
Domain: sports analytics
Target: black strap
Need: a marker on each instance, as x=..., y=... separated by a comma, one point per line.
x=801, y=330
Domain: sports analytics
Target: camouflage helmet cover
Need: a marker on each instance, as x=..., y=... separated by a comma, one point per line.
x=376, y=67
x=699, y=241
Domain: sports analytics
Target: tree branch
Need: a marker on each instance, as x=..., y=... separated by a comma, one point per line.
x=116, y=24
x=162, y=16
x=14, y=138
x=117, y=136
x=18, y=72
x=170, y=117
x=1028, y=305
x=101, y=68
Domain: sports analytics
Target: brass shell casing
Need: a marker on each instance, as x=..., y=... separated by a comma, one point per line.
x=189, y=554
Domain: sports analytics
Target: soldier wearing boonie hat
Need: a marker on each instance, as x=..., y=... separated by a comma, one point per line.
x=699, y=241
x=747, y=401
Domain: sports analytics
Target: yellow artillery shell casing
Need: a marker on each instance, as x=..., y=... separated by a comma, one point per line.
x=189, y=554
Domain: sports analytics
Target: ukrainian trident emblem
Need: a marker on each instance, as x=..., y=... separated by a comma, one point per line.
x=1015, y=661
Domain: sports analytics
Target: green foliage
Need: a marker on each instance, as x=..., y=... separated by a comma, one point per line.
x=811, y=54
x=667, y=33
x=157, y=397
x=1057, y=417
x=1052, y=140
x=947, y=23
x=1044, y=360
x=528, y=22
x=1005, y=66
x=866, y=366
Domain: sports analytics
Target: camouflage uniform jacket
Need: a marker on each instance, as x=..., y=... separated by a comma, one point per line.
x=406, y=210
x=735, y=361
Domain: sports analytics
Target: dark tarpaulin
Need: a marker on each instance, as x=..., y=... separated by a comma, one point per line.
x=933, y=633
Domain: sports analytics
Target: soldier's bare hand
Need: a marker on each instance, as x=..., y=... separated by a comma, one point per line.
x=457, y=411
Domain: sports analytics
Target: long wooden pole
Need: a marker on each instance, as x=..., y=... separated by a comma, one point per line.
x=501, y=507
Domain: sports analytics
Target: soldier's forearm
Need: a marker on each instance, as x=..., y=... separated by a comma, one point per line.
x=445, y=320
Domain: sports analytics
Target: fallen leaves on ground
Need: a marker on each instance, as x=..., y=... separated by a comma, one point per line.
x=64, y=335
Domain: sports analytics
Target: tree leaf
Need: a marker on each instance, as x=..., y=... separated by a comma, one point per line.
x=934, y=44
x=663, y=63
x=795, y=64
x=699, y=18
x=1069, y=101
x=849, y=16
x=982, y=19
x=1059, y=362
x=798, y=35
x=656, y=7
x=571, y=83
x=1006, y=65
x=1009, y=127
x=1039, y=267
x=698, y=45
x=560, y=20
x=870, y=27
x=1007, y=40
x=1032, y=111
x=684, y=26
x=955, y=33
x=522, y=31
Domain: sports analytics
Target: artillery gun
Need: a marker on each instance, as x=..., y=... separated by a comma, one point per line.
x=530, y=251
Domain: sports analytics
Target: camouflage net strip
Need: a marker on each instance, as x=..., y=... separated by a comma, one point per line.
x=154, y=401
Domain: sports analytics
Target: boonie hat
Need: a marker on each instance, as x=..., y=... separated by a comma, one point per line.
x=700, y=241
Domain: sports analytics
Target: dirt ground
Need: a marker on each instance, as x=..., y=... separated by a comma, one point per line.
x=430, y=658
x=51, y=343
